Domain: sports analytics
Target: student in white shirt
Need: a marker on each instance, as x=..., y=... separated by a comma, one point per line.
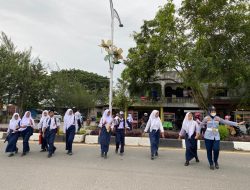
x=130, y=121
x=42, y=123
x=26, y=130
x=191, y=131
x=49, y=132
x=106, y=124
x=78, y=119
x=155, y=128
x=13, y=135
x=70, y=128
x=120, y=131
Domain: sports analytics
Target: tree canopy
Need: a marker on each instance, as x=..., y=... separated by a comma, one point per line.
x=205, y=42
x=27, y=83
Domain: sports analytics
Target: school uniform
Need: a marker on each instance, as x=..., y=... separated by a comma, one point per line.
x=26, y=130
x=43, y=124
x=212, y=137
x=78, y=119
x=120, y=125
x=13, y=135
x=130, y=121
x=189, y=130
x=70, y=128
x=106, y=124
x=154, y=126
x=50, y=133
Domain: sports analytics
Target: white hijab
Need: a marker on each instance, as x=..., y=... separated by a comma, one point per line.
x=130, y=118
x=43, y=119
x=69, y=119
x=106, y=118
x=153, y=120
x=188, y=125
x=43, y=116
x=27, y=121
x=14, y=122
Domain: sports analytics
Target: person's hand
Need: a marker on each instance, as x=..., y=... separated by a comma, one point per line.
x=196, y=137
x=162, y=135
x=179, y=138
x=143, y=134
x=241, y=123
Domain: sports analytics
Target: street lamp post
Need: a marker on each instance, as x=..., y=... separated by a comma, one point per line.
x=114, y=15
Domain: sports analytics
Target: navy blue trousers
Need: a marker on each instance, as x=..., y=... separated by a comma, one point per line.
x=191, y=147
x=213, y=149
x=154, y=137
x=50, y=139
x=120, y=139
x=104, y=140
x=44, y=145
x=26, y=136
x=79, y=124
x=70, y=135
x=12, y=140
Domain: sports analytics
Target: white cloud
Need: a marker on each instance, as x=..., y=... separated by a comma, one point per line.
x=68, y=32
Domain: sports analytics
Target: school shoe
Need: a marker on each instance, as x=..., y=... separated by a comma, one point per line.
x=23, y=154
x=116, y=151
x=217, y=166
x=11, y=154
x=49, y=155
x=43, y=150
x=70, y=153
x=211, y=167
x=156, y=154
x=54, y=150
x=152, y=157
x=186, y=163
x=197, y=160
x=105, y=155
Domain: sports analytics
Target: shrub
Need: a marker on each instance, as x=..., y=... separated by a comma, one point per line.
x=36, y=131
x=224, y=133
x=171, y=134
x=94, y=132
x=81, y=132
x=3, y=129
x=91, y=127
x=61, y=132
x=134, y=133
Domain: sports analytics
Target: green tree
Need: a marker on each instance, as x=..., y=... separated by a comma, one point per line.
x=21, y=76
x=76, y=88
x=205, y=42
x=121, y=98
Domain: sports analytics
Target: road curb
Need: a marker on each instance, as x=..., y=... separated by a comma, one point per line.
x=144, y=141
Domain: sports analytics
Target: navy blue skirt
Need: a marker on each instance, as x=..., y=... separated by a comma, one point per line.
x=12, y=140
x=191, y=147
x=104, y=139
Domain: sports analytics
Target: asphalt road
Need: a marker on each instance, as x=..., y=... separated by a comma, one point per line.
x=85, y=169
